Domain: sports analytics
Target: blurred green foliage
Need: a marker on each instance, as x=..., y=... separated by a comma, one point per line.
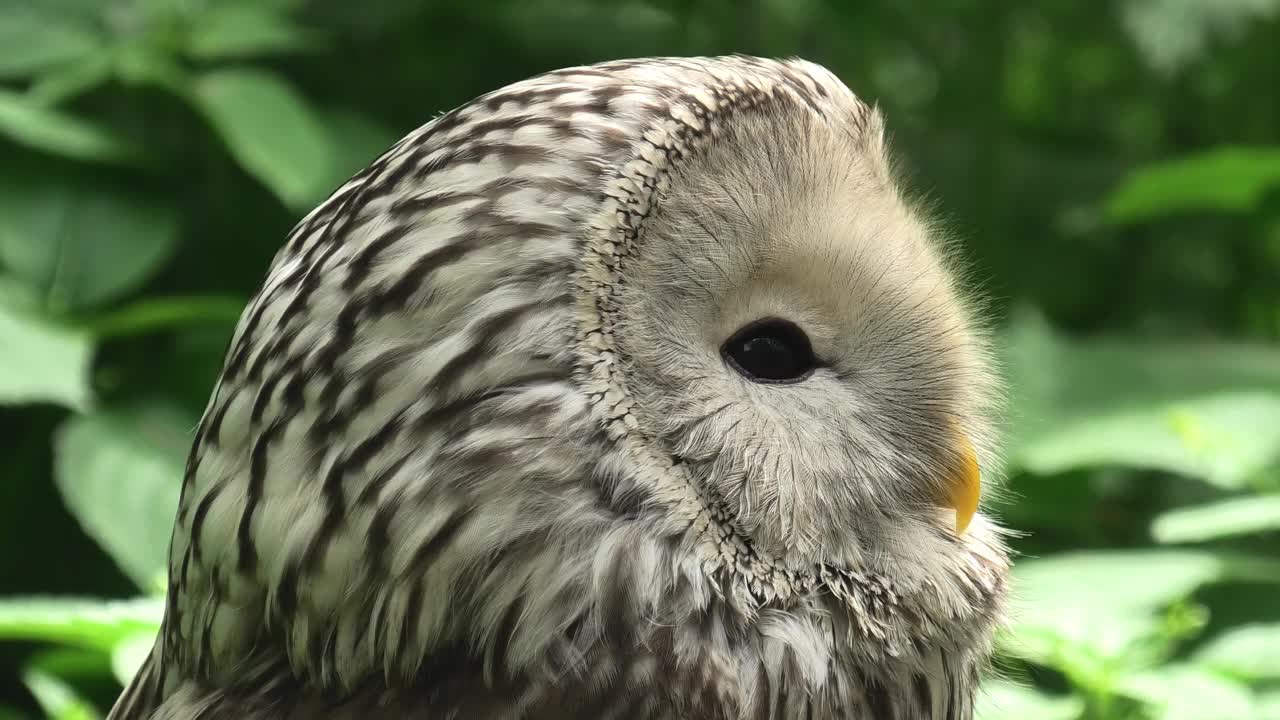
x=1111, y=167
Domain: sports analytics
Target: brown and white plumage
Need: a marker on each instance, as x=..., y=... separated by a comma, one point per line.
x=479, y=449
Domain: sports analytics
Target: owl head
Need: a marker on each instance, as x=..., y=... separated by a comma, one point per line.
x=638, y=370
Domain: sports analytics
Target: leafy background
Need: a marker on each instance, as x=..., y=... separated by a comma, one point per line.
x=1112, y=167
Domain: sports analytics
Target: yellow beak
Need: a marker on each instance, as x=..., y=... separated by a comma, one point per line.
x=964, y=487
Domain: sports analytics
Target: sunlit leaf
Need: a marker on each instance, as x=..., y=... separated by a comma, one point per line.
x=57, y=699
x=41, y=360
x=1003, y=700
x=79, y=622
x=120, y=473
x=270, y=130
x=1193, y=400
x=34, y=36
x=1151, y=578
x=245, y=29
x=1267, y=704
x=1250, y=652
x=129, y=655
x=1070, y=614
x=1225, y=518
x=1056, y=376
x=1225, y=439
x=29, y=123
x=1229, y=179
x=1185, y=692
x=80, y=238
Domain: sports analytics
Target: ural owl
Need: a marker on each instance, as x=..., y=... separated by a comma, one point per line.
x=628, y=391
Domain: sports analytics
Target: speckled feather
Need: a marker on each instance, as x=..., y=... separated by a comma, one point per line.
x=469, y=456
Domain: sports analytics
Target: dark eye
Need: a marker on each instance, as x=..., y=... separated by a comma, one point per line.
x=770, y=351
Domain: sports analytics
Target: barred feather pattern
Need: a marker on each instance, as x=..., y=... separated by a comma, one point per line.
x=441, y=477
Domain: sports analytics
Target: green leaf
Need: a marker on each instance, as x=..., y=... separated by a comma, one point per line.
x=1003, y=700
x=1070, y=614
x=1225, y=439
x=28, y=122
x=244, y=29
x=1061, y=387
x=1185, y=692
x=79, y=622
x=143, y=64
x=40, y=359
x=1268, y=705
x=270, y=130
x=1226, y=518
x=162, y=313
x=75, y=665
x=1232, y=179
x=120, y=474
x=58, y=700
x=35, y=36
x=66, y=81
x=130, y=654
x=82, y=239
x=1250, y=653
x=1151, y=578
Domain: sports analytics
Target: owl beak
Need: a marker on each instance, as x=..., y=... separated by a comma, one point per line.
x=964, y=488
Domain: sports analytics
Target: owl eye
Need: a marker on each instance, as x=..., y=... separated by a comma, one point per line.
x=770, y=350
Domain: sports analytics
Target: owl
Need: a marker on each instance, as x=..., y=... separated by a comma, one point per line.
x=634, y=390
